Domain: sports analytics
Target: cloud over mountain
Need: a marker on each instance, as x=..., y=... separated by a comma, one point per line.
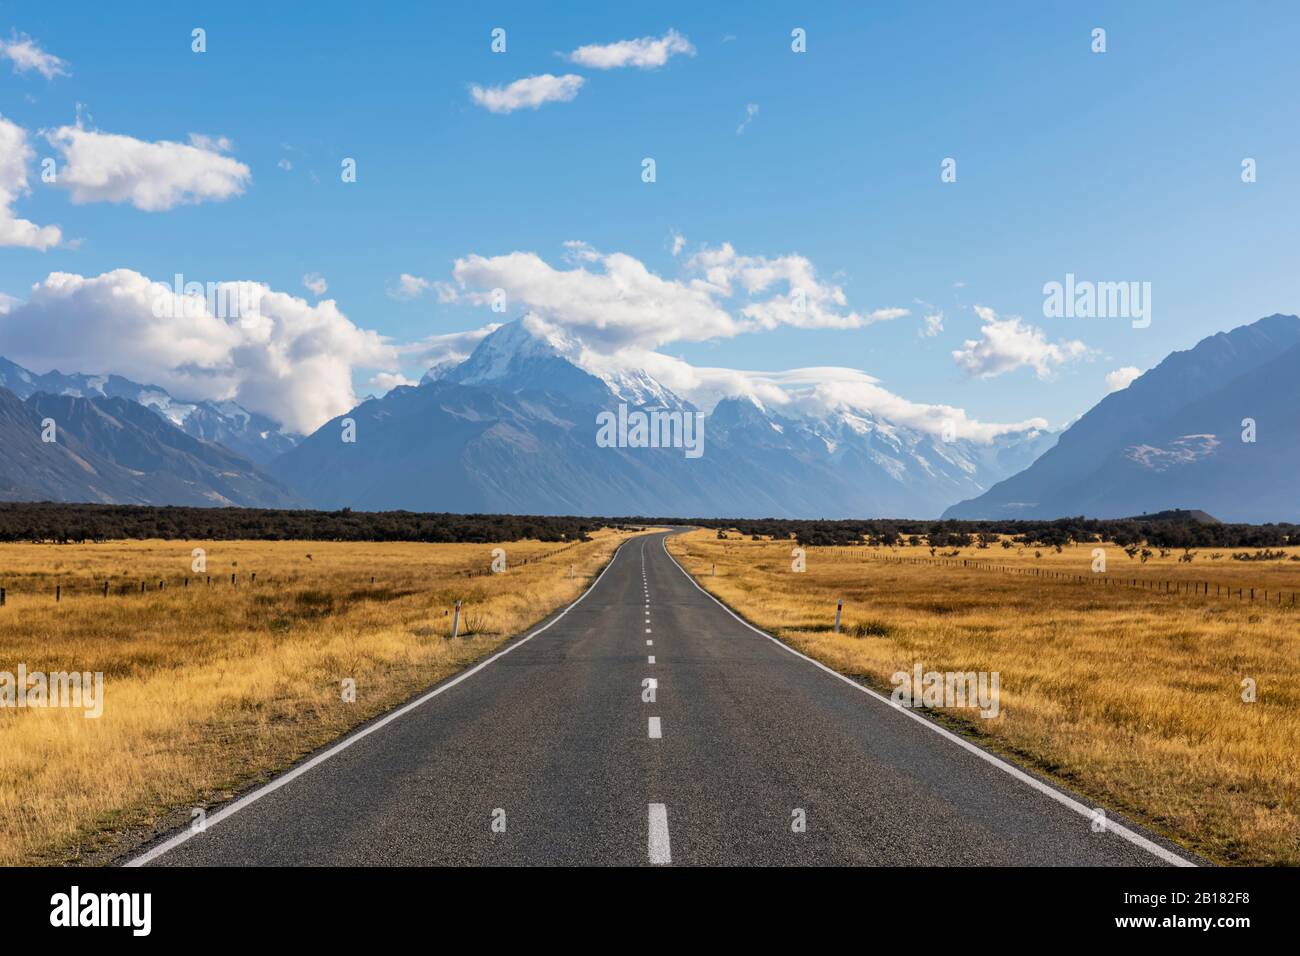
x=1008, y=344
x=613, y=301
x=289, y=360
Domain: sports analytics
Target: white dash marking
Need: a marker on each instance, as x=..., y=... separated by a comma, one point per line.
x=652, y=658
x=647, y=630
x=649, y=643
x=660, y=851
x=656, y=730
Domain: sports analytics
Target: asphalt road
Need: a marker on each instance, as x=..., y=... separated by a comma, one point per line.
x=551, y=753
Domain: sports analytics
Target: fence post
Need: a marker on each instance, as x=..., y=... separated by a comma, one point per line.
x=58, y=592
x=838, y=608
x=455, y=622
x=105, y=589
x=232, y=580
x=2, y=597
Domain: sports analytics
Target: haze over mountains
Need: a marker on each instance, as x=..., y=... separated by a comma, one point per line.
x=513, y=429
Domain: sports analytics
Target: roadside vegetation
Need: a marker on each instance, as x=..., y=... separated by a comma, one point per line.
x=1126, y=694
x=210, y=688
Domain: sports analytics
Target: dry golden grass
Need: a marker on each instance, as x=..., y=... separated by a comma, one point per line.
x=209, y=689
x=1131, y=697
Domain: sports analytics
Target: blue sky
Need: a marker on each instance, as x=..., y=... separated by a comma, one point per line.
x=1117, y=166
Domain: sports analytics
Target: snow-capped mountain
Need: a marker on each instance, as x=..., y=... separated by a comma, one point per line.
x=514, y=428
x=246, y=433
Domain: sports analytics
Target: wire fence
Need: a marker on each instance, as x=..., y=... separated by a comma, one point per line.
x=1190, y=588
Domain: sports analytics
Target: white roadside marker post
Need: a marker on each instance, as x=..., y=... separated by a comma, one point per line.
x=838, y=608
x=455, y=622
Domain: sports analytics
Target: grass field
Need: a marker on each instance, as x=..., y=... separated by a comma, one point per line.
x=1130, y=696
x=209, y=688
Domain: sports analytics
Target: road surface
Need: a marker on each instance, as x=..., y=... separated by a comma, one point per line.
x=552, y=753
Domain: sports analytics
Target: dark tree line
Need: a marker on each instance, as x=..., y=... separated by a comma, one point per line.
x=54, y=522
x=64, y=523
x=1167, y=530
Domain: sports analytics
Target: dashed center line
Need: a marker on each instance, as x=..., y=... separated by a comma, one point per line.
x=652, y=659
x=649, y=643
x=656, y=729
x=660, y=849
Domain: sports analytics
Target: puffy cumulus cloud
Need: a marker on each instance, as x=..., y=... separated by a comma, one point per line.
x=618, y=303
x=387, y=381
x=107, y=167
x=529, y=92
x=286, y=358
x=408, y=286
x=315, y=283
x=805, y=301
x=1121, y=378
x=15, y=155
x=25, y=55
x=448, y=347
x=1008, y=344
x=612, y=301
x=646, y=53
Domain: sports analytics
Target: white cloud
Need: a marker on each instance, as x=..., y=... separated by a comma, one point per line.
x=386, y=381
x=315, y=283
x=750, y=112
x=802, y=391
x=449, y=347
x=1008, y=344
x=647, y=53
x=1121, y=378
x=412, y=287
x=806, y=301
x=933, y=324
x=15, y=154
x=409, y=287
x=612, y=301
x=106, y=167
x=530, y=92
x=291, y=360
x=26, y=55
x=284, y=164
x=679, y=243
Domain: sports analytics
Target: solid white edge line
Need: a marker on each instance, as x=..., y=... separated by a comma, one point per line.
x=659, y=846
x=290, y=775
x=1137, y=839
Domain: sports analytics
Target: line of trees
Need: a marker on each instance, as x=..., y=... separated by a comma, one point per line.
x=63, y=523
x=76, y=523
